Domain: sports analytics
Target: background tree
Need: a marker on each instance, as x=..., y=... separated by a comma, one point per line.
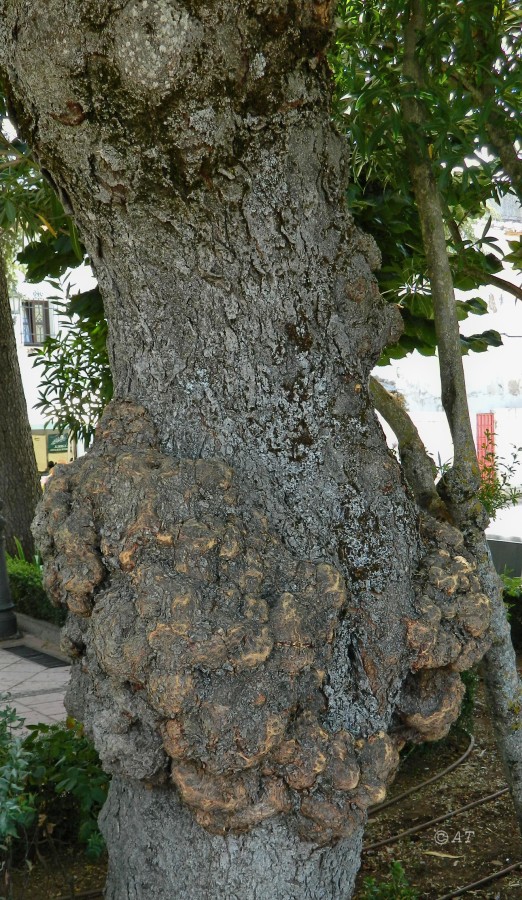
x=19, y=481
x=27, y=207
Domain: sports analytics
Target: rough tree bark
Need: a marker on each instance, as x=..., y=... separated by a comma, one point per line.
x=19, y=483
x=257, y=618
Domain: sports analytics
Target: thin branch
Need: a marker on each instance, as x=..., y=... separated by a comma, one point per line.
x=453, y=386
x=505, y=286
x=11, y=163
x=419, y=469
x=454, y=229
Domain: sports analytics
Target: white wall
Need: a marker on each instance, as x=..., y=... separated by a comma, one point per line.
x=83, y=280
x=30, y=375
x=508, y=437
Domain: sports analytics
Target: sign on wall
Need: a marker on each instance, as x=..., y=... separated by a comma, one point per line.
x=57, y=443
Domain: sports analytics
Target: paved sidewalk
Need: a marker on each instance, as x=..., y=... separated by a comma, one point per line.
x=35, y=691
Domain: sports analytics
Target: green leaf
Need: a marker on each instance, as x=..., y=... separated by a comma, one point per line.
x=479, y=343
x=9, y=211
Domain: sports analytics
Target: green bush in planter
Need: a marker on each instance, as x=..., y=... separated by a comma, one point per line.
x=52, y=789
x=67, y=783
x=512, y=587
x=27, y=591
x=513, y=603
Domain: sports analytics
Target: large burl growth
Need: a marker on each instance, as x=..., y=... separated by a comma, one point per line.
x=203, y=647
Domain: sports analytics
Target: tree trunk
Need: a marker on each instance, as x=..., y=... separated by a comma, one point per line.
x=19, y=483
x=269, y=861
x=257, y=620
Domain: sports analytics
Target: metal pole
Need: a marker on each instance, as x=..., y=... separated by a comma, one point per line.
x=8, y=623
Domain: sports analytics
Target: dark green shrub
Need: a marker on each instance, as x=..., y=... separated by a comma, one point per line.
x=52, y=789
x=512, y=587
x=465, y=719
x=17, y=810
x=512, y=602
x=27, y=591
x=67, y=783
x=496, y=475
x=395, y=888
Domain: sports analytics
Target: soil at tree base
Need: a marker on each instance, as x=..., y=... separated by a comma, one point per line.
x=464, y=849
x=479, y=842
x=61, y=876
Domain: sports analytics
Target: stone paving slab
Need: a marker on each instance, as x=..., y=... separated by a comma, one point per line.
x=35, y=691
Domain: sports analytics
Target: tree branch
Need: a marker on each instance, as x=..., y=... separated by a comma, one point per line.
x=453, y=386
x=504, y=285
x=419, y=468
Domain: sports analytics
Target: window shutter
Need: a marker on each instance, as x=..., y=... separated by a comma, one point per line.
x=485, y=437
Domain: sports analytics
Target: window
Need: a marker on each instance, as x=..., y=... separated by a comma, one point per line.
x=35, y=321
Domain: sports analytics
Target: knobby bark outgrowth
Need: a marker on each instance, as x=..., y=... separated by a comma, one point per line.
x=19, y=483
x=257, y=616
x=458, y=488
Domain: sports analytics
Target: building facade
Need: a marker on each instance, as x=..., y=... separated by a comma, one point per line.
x=35, y=318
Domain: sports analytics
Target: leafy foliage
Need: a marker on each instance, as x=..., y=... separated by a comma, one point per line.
x=512, y=586
x=512, y=594
x=52, y=789
x=50, y=256
x=395, y=888
x=29, y=206
x=27, y=591
x=16, y=805
x=470, y=50
x=67, y=783
x=496, y=474
x=76, y=381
